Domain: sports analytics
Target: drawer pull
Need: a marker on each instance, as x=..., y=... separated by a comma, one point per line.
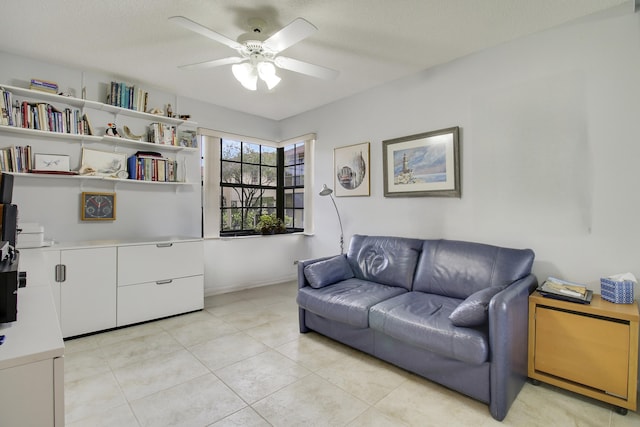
x=164, y=282
x=164, y=245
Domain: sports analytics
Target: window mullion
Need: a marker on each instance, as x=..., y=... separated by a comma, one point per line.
x=280, y=183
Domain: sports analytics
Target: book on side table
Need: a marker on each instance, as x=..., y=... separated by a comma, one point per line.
x=566, y=291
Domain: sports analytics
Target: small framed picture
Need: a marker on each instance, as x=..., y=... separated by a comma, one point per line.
x=351, y=170
x=51, y=162
x=426, y=164
x=98, y=206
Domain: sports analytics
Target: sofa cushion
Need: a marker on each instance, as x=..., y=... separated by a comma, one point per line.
x=422, y=320
x=387, y=260
x=328, y=272
x=347, y=301
x=459, y=269
x=473, y=310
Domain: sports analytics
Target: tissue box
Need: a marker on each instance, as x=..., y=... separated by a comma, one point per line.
x=617, y=291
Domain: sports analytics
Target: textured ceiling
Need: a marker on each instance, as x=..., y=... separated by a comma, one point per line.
x=369, y=41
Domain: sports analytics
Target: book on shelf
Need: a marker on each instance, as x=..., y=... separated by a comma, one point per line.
x=44, y=86
x=41, y=116
x=16, y=159
x=151, y=166
x=565, y=290
x=160, y=133
x=127, y=96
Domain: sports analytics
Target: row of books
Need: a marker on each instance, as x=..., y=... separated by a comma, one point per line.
x=148, y=166
x=42, y=116
x=160, y=133
x=16, y=159
x=142, y=166
x=127, y=96
x=44, y=86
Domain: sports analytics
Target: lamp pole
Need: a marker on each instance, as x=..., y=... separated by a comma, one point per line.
x=326, y=191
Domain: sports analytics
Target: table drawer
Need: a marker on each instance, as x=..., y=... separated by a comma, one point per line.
x=587, y=350
x=153, y=262
x=146, y=301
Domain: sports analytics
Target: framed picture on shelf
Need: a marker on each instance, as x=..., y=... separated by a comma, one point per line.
x=51, y=162
x=98, y=206
x=351, y=170
x=104, y=163
x=426, y=164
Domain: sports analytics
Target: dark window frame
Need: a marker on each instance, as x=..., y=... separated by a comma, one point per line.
x=250, y=213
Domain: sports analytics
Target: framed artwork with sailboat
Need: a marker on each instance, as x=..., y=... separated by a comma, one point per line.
x=426, y=164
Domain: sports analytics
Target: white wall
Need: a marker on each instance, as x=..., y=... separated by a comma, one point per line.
x=146, y=210
x=549, y=128
x=239, y=263
x=141, y=210
x=549, y=149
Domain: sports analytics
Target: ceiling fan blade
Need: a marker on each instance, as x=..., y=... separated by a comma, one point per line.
x=291, y=34
x=213, y=63
x=202, y=30
x=306, y=68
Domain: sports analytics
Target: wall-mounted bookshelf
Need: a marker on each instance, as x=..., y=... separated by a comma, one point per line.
x=86, y=134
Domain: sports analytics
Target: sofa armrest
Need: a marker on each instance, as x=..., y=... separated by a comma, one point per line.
x=508, y=329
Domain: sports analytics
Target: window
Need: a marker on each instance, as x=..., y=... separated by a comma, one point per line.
x=230, y=200
x=257, y=179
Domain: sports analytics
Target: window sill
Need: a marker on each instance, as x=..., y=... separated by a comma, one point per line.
x=257, y=236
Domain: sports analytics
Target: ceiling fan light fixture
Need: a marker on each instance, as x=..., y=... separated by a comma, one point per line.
x=246, y=74
x=267, y=72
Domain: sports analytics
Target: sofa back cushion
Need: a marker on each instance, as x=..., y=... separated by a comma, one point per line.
x=385, y=260
x=458, y=269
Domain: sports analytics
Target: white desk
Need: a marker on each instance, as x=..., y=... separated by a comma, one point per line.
x=32, y=362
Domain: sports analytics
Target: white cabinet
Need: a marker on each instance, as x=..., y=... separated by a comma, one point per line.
x=121, y=283
x=159, y=280
x=84, y=284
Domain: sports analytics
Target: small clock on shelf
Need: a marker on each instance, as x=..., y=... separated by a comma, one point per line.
x=98, y=206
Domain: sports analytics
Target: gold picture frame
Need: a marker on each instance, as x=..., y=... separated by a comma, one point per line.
x=97, y=206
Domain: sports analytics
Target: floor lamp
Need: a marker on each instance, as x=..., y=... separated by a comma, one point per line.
x=326, y=191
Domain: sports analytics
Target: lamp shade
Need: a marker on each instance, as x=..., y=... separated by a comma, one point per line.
x=325, y=190
x=267, y=72
x=246, y=74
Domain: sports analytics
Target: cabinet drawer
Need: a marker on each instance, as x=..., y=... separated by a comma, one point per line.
x=146, y=301
x=587, y=350
x=150, y=263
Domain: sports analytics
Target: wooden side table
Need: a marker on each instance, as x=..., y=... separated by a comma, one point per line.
x=591, y=349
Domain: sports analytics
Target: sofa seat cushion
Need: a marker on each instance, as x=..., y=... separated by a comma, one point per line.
x=422, y=320
x=348, y=301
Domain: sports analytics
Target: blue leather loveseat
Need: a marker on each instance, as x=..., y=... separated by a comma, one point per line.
x=450, y=311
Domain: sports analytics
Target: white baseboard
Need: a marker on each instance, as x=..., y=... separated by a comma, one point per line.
x=242, y=287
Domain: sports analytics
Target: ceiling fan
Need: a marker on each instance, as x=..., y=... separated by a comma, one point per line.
x=259, y=58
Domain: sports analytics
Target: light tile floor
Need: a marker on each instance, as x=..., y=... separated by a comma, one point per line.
x=242, y=362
